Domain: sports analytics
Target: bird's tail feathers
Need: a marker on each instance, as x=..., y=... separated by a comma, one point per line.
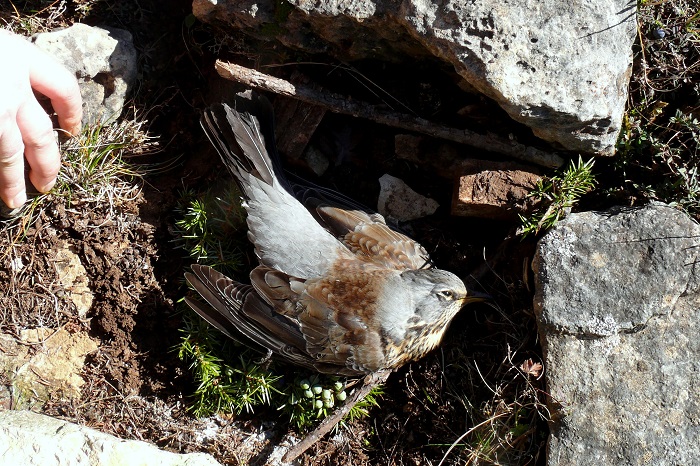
x=240, y=142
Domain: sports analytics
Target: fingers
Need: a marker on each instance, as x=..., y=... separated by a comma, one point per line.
x=11, y=163
x=25, y=129
x=40, y=146
x=50, y=78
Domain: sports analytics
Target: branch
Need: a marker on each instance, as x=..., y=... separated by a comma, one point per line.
x=340, y=104
x=331, y=421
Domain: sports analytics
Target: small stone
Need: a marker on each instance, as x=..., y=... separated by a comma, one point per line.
x=54, y=366
x=659, y=33
x=397, y=200
x=316, y=160
x=16, y=264
x=74, y=278
x=497, y=194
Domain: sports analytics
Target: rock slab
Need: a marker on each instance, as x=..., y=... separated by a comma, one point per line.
x=496, y=194
x=42, y=363
x=618, y=307
x=562, y=68
x=31, y=439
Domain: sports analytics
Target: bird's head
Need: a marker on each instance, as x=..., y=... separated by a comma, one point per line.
x=435, y=297
x=438, y=294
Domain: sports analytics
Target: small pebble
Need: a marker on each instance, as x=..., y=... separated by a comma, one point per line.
x=659, y=33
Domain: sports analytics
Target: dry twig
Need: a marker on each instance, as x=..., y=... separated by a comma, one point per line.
x=340, y=104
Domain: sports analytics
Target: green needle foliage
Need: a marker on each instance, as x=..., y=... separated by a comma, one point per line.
x=209, y=229
x=228, y=379
x=362, y=408
x=556, y=196
x=313, y=398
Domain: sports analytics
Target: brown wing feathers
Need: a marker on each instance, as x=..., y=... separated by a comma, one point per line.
x=236, y=310
x=369, y=237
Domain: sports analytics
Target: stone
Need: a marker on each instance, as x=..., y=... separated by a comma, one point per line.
x=73, y=277
x=560, y=68
x=32, y=439
x=316, y=161
x=618, y=307
x=497, y=194
x=103, y=59
x=45, y=362
x=398, y=201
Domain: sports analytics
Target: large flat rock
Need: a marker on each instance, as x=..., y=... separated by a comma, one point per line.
x=29, y=439
x=618, y=307
x=560, y=67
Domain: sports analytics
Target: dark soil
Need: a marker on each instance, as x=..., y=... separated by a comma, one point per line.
x=136, y=387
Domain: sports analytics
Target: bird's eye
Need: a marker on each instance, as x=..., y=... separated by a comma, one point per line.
x=445, y=294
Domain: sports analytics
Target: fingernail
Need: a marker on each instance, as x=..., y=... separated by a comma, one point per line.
x=75, y=130
x=18, y=201
x=47, y=188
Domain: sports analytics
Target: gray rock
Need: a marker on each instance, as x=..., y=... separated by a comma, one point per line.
x=30, y=439
x=398, y=201
x=316, y=160
x=561, y=68
x=103, y=59
x=618, y=307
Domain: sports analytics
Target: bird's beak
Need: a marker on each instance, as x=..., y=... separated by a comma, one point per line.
x=476, y=297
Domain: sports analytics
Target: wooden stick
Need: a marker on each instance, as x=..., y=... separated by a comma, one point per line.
x=340, y=104
x=370, y=381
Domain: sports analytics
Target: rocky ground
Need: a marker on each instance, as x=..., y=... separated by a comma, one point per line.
x=118, y=310
x=100, y=278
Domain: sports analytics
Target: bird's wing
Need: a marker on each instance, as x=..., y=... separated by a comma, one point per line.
x=363, y=231
x=368, y=236
x=236, y=310
x=338, y=341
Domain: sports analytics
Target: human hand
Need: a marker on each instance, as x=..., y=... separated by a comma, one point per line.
x=25, y=128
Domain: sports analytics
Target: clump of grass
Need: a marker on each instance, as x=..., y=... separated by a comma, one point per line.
x=96, y=165
x=556, y=195
x=96, y=171
x=658, y=147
